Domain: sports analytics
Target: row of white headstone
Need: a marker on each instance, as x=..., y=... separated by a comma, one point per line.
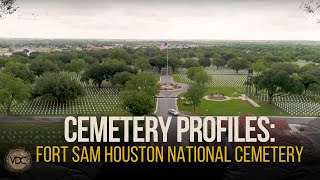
x=220, y=80
x=92, y=103
x=214, y=71
x=295, y=104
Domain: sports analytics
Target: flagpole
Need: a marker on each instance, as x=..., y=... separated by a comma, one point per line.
x=167, y=59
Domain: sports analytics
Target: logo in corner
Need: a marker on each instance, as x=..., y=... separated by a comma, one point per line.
x=18, y=160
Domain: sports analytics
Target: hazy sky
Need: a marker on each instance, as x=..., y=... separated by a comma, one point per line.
x=162, y=19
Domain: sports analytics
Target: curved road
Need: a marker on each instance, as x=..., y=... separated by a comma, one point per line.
x=166, y=102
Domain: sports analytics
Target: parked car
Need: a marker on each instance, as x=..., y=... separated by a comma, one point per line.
x=173, y=112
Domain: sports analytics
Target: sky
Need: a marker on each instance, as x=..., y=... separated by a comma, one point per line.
x=161, y=19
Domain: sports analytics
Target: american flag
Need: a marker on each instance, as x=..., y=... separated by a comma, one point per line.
x=164, y=46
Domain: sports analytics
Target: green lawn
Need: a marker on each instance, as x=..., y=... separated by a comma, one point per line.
x=227, y=91
x=177, y=78
x=232, y=107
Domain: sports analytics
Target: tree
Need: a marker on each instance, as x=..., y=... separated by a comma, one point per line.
x=315, y=87
x=287, y=67
x=144, y=82
x=201, y=78
x=174, y=63
x=63, y=56
x=271, y=58
x=76, y=65
x=40, y=66
x=194, y=95
x=114, y=62
x=260, y=66
x=278, y=83
x=139, y=93
x=158, y=62
x=311, y=7
x=90, y=60
x=21, y=71
x=97, y=55
x=312, y=69
x=58, y=86
x=188, y=63
x=3, y=61
x=119, y=53
x=198, y=75
x=238, y=64
x=97, y=73
x=193, y=71
x=307, y=80
x=137, y=103
x=114, y=66
x=121, y=78
x=310, y=76
x=192, y=54
x=218, y=61
x=101, y=72
x=7, y=7
x=255, y=81
x=228, y=55
x=142, y=64
x=204, y=62
x=12, y=91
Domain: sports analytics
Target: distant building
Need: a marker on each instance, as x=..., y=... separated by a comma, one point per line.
x=97, y=48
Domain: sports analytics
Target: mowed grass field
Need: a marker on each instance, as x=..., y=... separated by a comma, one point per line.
x=227, y=91
x=233, y=107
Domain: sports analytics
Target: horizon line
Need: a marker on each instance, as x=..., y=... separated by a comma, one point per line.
x=156, y=39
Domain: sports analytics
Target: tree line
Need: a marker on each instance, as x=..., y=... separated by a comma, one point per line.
x=119, y=65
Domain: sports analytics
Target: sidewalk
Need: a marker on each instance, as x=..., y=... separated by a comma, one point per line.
x=246, y=98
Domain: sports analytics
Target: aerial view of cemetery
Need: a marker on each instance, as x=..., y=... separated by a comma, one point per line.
x=162, y=59
x=44, y=81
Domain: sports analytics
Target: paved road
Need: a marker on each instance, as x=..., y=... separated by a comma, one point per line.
x=164, y=104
